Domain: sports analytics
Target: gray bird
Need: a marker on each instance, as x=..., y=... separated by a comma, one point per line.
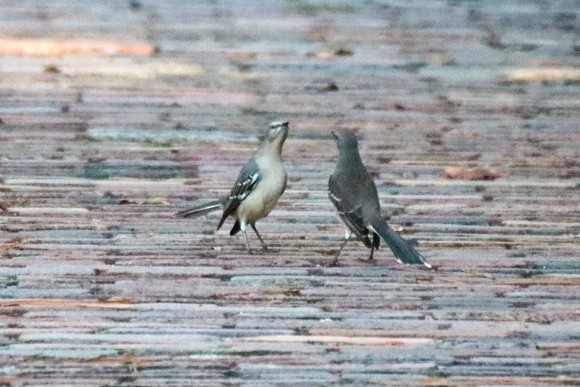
x=260, y=184
x=354, y=194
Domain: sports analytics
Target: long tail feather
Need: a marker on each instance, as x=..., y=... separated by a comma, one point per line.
x=402, y=249
x=201, y=210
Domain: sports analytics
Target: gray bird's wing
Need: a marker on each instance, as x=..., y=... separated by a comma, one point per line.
x=350, y=212
x=248, y=179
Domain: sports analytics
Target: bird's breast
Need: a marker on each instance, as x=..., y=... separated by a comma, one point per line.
x=264, y=197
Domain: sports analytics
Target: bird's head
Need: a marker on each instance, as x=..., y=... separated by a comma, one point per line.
x=278, y=132
x=345, y=139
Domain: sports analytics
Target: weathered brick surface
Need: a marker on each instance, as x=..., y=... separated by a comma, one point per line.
x=115, y=115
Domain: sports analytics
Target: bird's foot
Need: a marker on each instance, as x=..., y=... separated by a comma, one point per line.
x=263, y=250
x=370, y=261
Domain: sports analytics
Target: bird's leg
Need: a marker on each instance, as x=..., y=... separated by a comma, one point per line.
x=247, y=242
x=264, y=246
x=243, y=225
x=375, y=245
x=335, y=260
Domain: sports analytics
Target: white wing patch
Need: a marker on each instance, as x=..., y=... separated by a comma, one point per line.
x=334, y=197
x=244, y=187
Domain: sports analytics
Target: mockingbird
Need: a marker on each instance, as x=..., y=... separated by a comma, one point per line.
x=354, y=194
x=260, y=184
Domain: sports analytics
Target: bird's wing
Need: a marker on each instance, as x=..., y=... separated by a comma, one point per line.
x=248, y=179
x=350, y=213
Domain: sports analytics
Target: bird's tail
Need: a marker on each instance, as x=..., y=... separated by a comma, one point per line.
x=402, y=248
x=201, y=210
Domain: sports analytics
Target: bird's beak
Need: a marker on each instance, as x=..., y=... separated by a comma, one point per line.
x=278, y=124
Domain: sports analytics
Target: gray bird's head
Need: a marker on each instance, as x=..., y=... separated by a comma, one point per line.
x=345, y=139
x=278, y=132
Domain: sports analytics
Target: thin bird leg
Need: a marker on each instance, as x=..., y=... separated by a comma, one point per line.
x=264, y=246
x=335, y=260
x=247, y=242
x=375, y=242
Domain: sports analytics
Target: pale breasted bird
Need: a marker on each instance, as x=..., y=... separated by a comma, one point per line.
x=257, y=189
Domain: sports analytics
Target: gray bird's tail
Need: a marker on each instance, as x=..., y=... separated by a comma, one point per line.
x=202, y=210
x=402, y=249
